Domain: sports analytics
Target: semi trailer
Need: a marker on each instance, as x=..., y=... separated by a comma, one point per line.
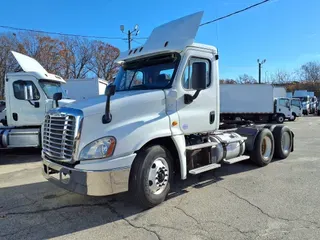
x=254, y=102
x=29, y=95
x=84, y=88
x=142, y=133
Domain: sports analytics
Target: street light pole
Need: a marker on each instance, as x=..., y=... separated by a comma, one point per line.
x=259, y=66
x=135, y=30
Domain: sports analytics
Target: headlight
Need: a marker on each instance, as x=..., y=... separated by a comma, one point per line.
x=100, y=148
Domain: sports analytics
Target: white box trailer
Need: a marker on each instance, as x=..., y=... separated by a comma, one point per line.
x=80, y=89
x=279, y=92
x=256, y=102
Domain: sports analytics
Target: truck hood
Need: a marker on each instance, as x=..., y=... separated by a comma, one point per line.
x=97, y=105
x=64, y=102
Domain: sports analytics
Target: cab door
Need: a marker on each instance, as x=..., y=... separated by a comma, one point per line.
x=284, y=107
x=25, y=107
x=199, y=115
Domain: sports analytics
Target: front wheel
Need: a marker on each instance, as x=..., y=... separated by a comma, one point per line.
x=151, y=176
x=294, y=116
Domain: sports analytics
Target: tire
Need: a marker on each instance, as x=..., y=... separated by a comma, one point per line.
x=263, y=150
x=153, y=162
x=294, y=117
x=283, y=141
x=280, y=118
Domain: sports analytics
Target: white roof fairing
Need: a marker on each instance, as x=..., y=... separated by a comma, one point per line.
x=30, y=65
x=178, y=34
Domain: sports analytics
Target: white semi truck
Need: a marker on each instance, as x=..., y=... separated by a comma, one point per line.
x=29, y=95
x=145, y=131
x=255, y=102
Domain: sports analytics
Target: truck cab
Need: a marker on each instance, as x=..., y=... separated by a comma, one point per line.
x=296, y=107
x=282, y=109
x=29, y=95
x=159, y=118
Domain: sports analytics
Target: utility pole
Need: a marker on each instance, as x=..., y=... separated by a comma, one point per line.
x=259, y=66
x=135, y=30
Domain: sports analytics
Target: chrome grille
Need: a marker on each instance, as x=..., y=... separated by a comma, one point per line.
x=59, y=134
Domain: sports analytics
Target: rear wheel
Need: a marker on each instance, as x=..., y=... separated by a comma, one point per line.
x=263, y=150
x=283, y=141
x=151, y=176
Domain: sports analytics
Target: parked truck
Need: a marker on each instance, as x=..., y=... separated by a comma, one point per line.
x=137, y=137
x=255, y=102
x=29, y=95
x=305, y=100
x=81, y=89
x=296, y=108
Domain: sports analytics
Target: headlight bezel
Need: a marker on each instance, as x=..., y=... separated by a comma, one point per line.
x=84, y=154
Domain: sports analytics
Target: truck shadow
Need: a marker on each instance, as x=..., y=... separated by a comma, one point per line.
x=42, y=210
x=23, y=155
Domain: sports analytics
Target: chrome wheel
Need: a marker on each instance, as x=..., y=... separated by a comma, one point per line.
x=285, y=142
x=158, y=176
x=266, y=147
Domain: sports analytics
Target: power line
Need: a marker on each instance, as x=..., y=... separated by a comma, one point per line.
x=234, y=13
x=120, y=38
x=63, y=34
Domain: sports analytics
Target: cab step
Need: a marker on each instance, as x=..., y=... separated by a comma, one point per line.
x=204, y=168
x=201, y=145
x=237, y=159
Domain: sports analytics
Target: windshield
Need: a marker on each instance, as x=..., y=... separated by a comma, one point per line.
x=149, y=73
x=51, y=87
x=296, y=102
x=304, y=99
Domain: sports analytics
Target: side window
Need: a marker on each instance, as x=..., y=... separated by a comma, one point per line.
x=25, y=90
x=283, y=102
x=187, y=75
x=138, y=78
x=168, y=73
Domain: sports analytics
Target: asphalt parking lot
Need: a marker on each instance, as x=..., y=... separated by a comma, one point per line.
x=240, y=201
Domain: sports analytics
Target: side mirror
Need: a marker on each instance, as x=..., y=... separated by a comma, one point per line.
x=199, y=81
x=56, y=97
x=28, y=93
x=110, y=91
x=199, y=78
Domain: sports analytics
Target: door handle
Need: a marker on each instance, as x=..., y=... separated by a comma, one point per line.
x=212, y=117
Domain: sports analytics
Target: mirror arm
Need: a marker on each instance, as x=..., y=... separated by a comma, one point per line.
x=189, y=99
x=31, y=102
x=107, y=117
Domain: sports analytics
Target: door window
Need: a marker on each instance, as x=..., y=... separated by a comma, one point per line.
x=25, y=90
x=187, y=74
x=283, y=102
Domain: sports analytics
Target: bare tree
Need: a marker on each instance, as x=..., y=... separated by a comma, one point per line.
x=103, y=61
x=281, y=76
x=228, y=81
x=246, y=79
x=310, y=72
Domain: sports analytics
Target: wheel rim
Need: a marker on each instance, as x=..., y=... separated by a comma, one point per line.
x=280, y=119
x=285, y=142
x=158, y=176
x=266, y=148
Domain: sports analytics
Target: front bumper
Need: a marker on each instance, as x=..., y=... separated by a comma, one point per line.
x=87, y=182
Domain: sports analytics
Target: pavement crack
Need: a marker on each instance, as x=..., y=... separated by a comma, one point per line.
x=54, y=209
x=121, y=216
x=194, y=219
x=264, y=212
